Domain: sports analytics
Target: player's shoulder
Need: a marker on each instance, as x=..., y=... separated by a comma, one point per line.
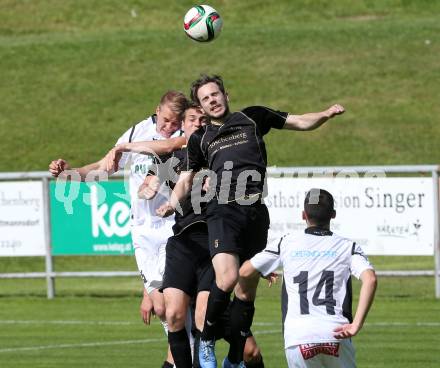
x=348, y=244
x=137, y=130
x=279, y=243
x=252, y=111
x=342, y=238
x=146, y=126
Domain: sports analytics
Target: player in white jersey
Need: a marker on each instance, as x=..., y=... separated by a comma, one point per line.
x=316, y=292
x=149, y=232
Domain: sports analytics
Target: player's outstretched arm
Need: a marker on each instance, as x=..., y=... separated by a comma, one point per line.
x=312, y=120
x=160, y=147
x=366, y=297
x=61, y=169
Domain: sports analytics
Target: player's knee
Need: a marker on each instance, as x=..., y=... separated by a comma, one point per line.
x=175, y=318
x=227, y=280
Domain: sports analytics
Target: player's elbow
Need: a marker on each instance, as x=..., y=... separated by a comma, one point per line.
x=369, y=279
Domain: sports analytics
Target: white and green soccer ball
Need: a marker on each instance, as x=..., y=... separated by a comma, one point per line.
x=202, y=23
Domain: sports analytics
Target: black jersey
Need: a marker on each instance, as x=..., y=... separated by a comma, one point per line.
x=187, y=216
x=236, y=146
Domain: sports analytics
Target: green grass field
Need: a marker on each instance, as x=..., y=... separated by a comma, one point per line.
x=75, y=74
x=95, y=322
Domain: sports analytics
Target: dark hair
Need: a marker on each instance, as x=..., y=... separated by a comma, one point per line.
x=205, y=79
x=192, y=105
x=319, y=206
x=176, y=101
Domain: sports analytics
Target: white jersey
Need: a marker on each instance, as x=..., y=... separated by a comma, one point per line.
x=143, y=212
x=316, y=292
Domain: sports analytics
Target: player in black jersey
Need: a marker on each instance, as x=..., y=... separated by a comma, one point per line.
x=232, y=147
x=188, y=272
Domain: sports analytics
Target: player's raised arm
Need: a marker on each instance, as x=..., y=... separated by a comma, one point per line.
x=159, y=147
x=312, y=120
x=366, y=297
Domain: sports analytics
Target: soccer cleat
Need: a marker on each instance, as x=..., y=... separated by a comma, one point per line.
x=227, y=364
x=207, y=354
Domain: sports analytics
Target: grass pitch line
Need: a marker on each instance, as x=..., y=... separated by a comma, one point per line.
x=110, y=323
x=127, y=323
x=61, y=322
x=109, y=343
x=82, y=345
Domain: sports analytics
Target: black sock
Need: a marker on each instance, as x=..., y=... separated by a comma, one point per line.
x=196, y=363
x=217, y=303
x=167, y=365
x=242, y=314
x=180, y=348
x=259, y=364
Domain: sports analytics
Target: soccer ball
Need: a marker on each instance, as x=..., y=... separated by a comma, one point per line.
x=202, y=23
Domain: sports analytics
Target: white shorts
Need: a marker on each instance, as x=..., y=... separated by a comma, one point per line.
x=149, y=249
x=302, y=356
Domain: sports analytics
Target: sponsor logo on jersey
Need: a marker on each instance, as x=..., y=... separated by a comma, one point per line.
x=313, y=254
x=308, y=351
x=141, y=168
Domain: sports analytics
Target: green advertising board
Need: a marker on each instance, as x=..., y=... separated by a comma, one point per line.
x=90, y=218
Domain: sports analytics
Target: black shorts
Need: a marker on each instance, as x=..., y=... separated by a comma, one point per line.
x=188, y=265
x=235, y=228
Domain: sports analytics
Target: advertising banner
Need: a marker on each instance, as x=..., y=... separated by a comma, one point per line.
x=386, y=216
x=90, y=218
x=21, y=219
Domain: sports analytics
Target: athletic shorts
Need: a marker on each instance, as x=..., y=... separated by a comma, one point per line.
x=149, y=249
x=188, y=264
x=235, y=228
x=322, y=355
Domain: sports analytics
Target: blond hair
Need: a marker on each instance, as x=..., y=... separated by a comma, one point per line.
x=176, y=101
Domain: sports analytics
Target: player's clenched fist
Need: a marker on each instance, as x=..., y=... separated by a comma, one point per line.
x=346, y=331
x=336, y=109
x=56, y=167
x=149, y=187
x=112, y=159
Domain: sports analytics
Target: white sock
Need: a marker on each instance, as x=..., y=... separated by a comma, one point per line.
x=165, y=326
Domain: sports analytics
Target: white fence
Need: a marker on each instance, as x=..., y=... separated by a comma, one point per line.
x=382, y=200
